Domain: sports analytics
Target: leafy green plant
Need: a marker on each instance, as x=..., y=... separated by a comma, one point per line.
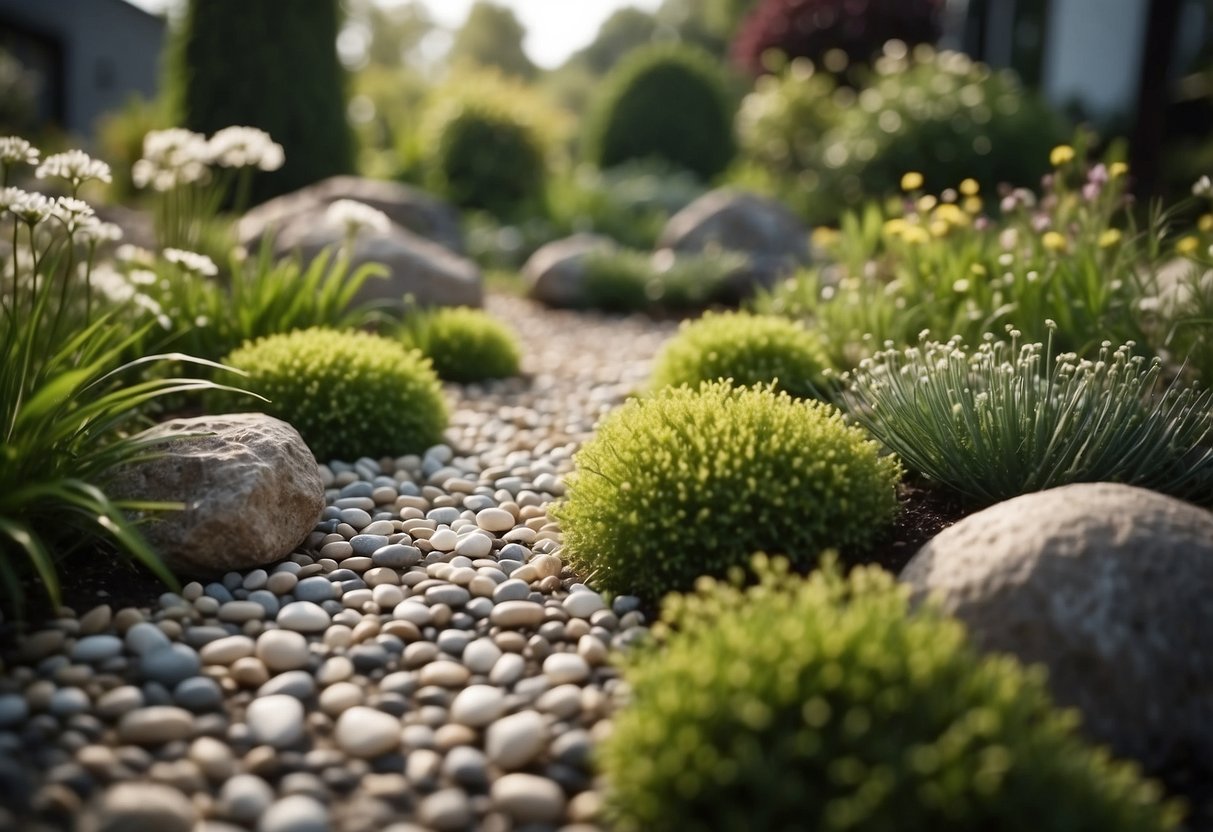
x=208, y=318
x=748, y=349
x=349, y=394
x=68, y=404
x=826, y=703
x=663, y=102
x=463, y=344
x=1005, y=419
x=691, y=482
x=625, y=280
x=939, y=262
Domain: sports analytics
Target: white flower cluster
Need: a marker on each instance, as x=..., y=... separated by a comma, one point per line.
x=192, y=262
x=16, y=150
x=76, y=215
x=239, y=147
x=355, y=217
x=74, y=167
x=1202, y=186
x=177, y=156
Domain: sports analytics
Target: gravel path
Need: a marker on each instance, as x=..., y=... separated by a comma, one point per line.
x=431, y=665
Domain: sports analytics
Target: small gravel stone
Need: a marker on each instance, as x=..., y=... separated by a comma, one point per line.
x=478, y=705
x=529, y=798
x=562, y=668
x=170, y=665
x=296, y=813
x=474, y=545
x=583, y=604
x=67, y=702
x=514, y=741
x=144, y=807
x=304, y=617
x=98, y=648
x=155, y=725
x=316, y=589
x=282, y=650
x=367, y=732
x=449, y=594
x=495, y=520
x=13, y=710
x=238, y=612
x=200, y=693
x=297, y=683
x=516, y=614
x=275, y=720
x=480, y=655
x=143, y=638
x=114, y=704
x=244, y=798
x=446, y=810
x=511, y=590
x=227, y=650
x=508, y=670
x=446, y=674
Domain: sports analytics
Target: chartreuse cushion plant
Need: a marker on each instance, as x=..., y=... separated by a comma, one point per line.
x=690, y=482
x=464, y=344
x=1005, y=419
x=349, y=394
x=826, y=704
x=746, y=348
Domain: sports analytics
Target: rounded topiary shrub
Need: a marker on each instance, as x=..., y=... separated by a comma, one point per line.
x=824, y=704
x=749, y=349
x=664, y=102
x=349, y=394
x=464, y=344
x=691, y=482
x=481, y=155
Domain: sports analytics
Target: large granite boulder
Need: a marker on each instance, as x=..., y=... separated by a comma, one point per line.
x=555, y=273
x=251, y=489
x=417, y=268
x=291, y=214
x=766, y=231
x=1111, y=588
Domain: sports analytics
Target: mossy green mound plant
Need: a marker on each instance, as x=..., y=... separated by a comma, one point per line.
x=464, y=344
x=667, y=103
x=746, y=348
x=691, y=482
x=825, y=704
x=625, y=280
x=349, y=394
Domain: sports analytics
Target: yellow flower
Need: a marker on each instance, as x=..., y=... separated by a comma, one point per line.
x=951, y=214
x=895, y=226
x=1060, y=155
x=972, y=204
x=1117, y=169
x=969, y=187
x=1205, y=223
x=915, y=234
x=1187, y=245
x=1053, y=241
x=911, y=181
x=824, y=237
x=978, y=269
x=926, y=203
x=939, y=228
x=1109, y=237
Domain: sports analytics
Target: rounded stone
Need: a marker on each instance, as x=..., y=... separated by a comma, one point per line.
x=528, y=798
x=238, y=612
x=1104, y=584
x=227, y=650
x=170, y=665
x=515, y=740
x=564, y=668
x=316, y=589
x=155, y=725
x=144, y=807
x=282, y=650
x=200, y=693
x=304, y=617
x=583, y=604
x=495, y=520
x=511, y=590
x=446, y=810
x=478, y=705
x=99, y=648
x=515, y=615
x=296, y=813
x=13, y=710
x=244, y=798
x=275, y=720
x=474, y=545
x=115, y=703
x=367, y=732
x=480, y=655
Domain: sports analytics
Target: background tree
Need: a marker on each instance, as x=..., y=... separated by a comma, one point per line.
x=258, y=63
x=492, y=37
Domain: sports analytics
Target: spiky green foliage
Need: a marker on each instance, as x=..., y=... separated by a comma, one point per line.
x=825, y=704
x=245, y=62
x=663, y=102
x=349, y=394
x=747, y=348
x=1006, y=419
x=464, y=344
x=692, y=482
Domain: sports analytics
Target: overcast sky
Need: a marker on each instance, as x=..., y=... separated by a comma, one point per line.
x=555, y=28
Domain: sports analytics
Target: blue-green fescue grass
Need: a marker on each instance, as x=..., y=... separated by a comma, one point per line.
x=1007, y=418
x=69, y=406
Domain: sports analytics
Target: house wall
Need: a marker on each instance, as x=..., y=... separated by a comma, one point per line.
x=109, y=50
x=1093, y=52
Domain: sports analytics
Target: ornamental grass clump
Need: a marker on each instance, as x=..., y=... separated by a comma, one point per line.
x=745, y=348
x=626, y=280
x=70, y=409
x=826, y=704
x=1006, y=419
x=349, y=394
x=691, y=482
x=464, y=344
